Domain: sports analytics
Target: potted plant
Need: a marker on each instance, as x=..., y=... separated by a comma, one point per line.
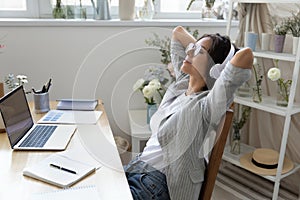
x=283, y=86
x=237, y=125
x=293, y=24
x=280, y=31
x=58, y=11
x=164, y=47
x=153, y=88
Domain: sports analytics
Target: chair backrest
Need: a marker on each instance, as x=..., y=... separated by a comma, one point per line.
x=216, y=158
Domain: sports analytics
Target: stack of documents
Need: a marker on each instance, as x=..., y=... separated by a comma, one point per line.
x=70, y=117
x=77, y=104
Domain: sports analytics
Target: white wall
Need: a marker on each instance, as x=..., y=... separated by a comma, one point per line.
x=86, y=61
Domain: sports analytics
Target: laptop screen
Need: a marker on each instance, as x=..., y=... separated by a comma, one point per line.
x=16, y=114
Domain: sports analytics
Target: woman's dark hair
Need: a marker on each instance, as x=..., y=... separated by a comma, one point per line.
x=220, y=47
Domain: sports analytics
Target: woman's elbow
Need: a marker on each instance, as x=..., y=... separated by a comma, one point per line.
x=176, y=32
x=243, y=58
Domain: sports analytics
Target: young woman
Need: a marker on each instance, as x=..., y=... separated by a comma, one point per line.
x=208, y=72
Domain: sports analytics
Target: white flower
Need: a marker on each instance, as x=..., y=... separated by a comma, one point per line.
x=155, y=83
x=274, y=74
x=21, y=77
x=24, y=81
x=149, y=91
x=139, y=84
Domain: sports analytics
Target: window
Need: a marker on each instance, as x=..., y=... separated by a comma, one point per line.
x=43, y=8
x=179, y=6
x=6, y=5
x=177, y=9
x=19, y=8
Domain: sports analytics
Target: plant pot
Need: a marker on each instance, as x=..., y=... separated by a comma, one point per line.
x=279, y=43
x=265, y=41
x=126, y=9
x=295, y=44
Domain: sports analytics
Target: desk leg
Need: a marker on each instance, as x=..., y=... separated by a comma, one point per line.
x=135, y=146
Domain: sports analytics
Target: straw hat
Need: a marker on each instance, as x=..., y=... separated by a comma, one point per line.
x=264, y=162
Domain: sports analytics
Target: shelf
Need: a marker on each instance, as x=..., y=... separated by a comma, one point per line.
x=268, y=104
x=235, y=159
x=274, y=55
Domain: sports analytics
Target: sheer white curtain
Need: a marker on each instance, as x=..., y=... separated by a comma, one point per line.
x=264, y=129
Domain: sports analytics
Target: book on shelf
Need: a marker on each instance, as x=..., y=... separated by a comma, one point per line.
x=59, y=170
x=77, y=104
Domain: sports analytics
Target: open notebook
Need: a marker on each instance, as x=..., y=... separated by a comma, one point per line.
x=76, y=193
x=59, y=170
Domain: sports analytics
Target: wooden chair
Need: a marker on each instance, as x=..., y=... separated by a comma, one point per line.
x=216, y=158
x=2, y=129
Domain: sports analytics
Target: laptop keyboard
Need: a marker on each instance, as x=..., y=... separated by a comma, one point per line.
x=38, y=136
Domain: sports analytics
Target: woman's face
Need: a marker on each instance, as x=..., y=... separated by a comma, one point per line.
x=196, y=61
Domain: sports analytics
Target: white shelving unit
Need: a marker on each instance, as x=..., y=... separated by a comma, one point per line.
x=268, y=103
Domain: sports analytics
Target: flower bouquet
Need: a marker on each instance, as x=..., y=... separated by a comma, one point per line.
x=153, y=88
x=283, y=86
x=12, y=82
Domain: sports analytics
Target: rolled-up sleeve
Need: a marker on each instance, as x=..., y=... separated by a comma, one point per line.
x=222, y=94
x=177, y=56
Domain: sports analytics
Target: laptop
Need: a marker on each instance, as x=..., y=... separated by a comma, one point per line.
x=23, y=133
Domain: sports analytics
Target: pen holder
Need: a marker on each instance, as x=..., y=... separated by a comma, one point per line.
x=41, y=102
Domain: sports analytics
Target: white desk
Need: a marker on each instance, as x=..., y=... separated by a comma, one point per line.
x=139, y=128
x=110, y=179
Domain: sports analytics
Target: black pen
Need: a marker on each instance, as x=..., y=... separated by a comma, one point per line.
x=48, y=85
x=62, y=168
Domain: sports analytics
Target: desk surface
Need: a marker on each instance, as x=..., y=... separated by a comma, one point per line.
x=109, y=179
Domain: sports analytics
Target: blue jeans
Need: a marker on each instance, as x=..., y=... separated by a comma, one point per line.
x=145, y=181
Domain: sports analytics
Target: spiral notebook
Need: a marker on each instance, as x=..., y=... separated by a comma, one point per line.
x=76, y=193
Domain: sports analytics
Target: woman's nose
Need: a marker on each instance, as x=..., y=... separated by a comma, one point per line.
x=189, y=57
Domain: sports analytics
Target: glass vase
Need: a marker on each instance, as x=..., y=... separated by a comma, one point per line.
x=147, y=11
x=244, y=90
x=207, y=9
x=283, y=93
x=151, y=109
x=235, y=144
x=257, y=94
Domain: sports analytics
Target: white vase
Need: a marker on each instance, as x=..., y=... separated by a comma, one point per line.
x=295, y=44
x=265, y=41
x=126, y=9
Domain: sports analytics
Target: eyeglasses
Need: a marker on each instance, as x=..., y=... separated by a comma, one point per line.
x=194, y=49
